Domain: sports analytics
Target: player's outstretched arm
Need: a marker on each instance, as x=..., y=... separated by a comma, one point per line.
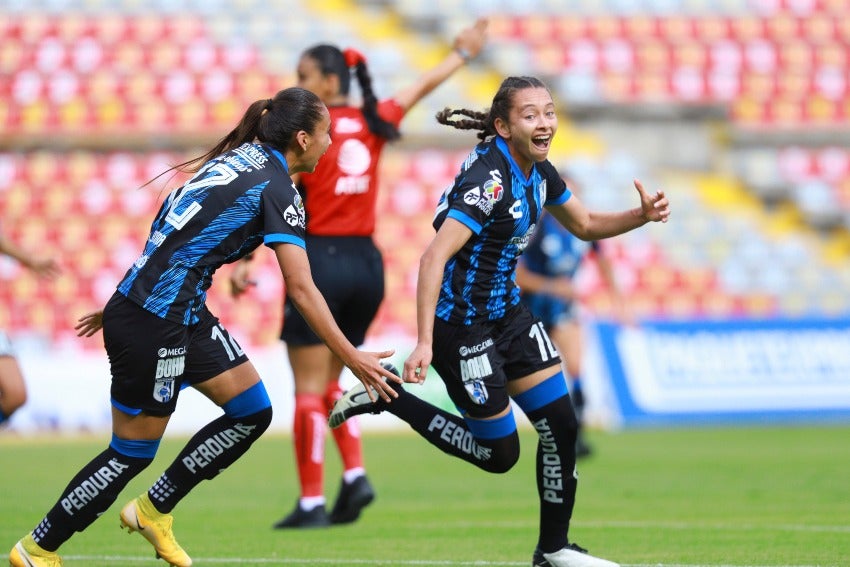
x=467, y=45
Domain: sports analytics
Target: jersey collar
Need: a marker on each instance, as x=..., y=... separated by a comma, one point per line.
x=279, y=157
x=515, y=168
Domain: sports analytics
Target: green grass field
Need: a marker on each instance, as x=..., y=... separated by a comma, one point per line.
x=759, y=496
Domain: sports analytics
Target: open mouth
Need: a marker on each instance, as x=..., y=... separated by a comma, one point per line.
x=541, y=142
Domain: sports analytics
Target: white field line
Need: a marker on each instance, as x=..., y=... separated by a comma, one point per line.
x=120, y=559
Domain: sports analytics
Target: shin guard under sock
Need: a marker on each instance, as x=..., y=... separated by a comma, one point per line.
x=93, y=490
x=550, y=411
x=347, y=436
x=493, y=447
x=215, y=447
x=309, y=426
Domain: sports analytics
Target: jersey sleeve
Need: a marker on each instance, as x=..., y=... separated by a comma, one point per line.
x=477, y=196
x=283, y=215
x=391, y=111
x=557, y=192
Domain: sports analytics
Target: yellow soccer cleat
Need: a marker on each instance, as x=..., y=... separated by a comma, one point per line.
x=27, y=553
x=139, y=515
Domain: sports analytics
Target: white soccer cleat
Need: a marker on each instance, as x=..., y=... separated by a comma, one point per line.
x=356, y=401
x=570, y=556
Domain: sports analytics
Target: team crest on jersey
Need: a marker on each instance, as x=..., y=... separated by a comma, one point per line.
x=163, y=389
x=541, y=190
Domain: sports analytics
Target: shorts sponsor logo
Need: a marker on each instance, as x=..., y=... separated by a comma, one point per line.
x=472, y=372
x=171, y=364
x=475, y=349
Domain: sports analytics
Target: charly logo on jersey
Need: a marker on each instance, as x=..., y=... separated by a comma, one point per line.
x=171, y=363
x=294, y=213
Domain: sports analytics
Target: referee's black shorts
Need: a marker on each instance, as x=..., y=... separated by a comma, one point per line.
x=349, y=272
x=152, y=359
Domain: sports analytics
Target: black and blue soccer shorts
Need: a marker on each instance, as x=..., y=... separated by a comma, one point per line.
x=476, y=362
x=152, y=359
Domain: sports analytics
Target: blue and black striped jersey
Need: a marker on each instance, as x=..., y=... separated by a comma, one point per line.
x=235, y=202
x=491, y=196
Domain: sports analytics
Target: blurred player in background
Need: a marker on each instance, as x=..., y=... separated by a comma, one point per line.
x=340, y=199
x=489, y=348
x=546, y=275
x=13, y=390
x=160, y=336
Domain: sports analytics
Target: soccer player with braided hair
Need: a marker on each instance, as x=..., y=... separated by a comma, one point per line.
x=161, y=337
x=486, y=345
x=340, y=199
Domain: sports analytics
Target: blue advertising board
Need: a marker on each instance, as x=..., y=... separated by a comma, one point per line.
x=729, y=371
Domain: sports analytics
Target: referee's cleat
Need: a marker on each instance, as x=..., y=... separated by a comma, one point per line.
x=27, y=553
x=356, y=401
x=140, y=515
x=353, y=497
x=300, y=518
x=570, y=556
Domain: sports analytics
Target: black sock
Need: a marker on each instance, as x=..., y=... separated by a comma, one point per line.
x=87, y=496
x=214, y=448
x=450, y=434
x=556, y=427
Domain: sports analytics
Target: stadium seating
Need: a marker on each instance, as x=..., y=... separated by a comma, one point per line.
x=116, y=94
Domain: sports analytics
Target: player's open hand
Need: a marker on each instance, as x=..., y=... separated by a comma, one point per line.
x=89, y=324
x=656, y=208
x=367, y=368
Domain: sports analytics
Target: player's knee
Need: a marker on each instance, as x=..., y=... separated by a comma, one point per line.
x=504, y=456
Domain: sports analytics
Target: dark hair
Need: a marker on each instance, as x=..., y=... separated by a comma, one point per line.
x=331, y=61
x=273, y=121
x=485, y=121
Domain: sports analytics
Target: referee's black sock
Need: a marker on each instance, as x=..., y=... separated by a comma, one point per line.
x=214, y=448
x=89, y=494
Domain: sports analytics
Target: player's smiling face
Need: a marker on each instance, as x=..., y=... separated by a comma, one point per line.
x=531, y=126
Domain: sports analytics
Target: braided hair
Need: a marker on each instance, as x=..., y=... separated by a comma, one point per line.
x=332, y=61
x=485, y=121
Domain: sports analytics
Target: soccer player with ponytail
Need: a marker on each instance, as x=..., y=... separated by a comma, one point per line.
x=160, y=336
x=340, y=199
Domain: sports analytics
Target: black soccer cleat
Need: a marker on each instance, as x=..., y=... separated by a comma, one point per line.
x=300, y=518
x=352, y=498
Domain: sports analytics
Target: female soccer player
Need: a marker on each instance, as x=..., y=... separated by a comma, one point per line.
x=160, y=337
x=489, y=347
x=340, y=199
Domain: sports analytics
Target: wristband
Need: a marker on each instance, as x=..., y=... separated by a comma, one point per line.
x=464, y=54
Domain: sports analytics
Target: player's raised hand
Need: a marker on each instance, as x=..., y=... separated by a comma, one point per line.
x=656, y=208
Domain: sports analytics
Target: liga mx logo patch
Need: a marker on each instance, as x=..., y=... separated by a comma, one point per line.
x=163, y=389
